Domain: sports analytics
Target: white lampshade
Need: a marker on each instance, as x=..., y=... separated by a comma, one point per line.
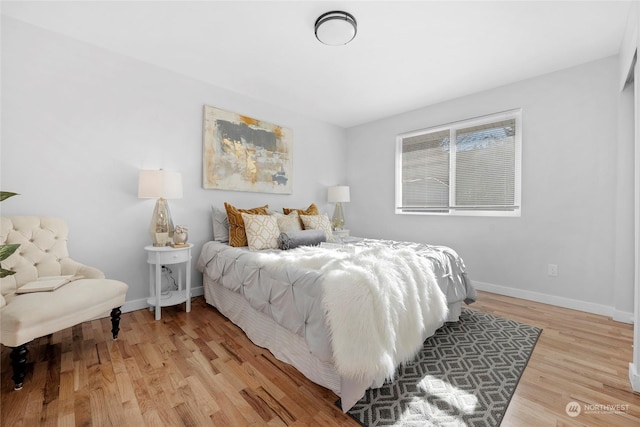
x=159, y=184
x=339, y=193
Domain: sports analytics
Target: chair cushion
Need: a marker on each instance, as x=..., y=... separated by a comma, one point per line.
x=29, y=316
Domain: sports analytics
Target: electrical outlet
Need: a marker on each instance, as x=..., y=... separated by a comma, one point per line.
x=552, y=270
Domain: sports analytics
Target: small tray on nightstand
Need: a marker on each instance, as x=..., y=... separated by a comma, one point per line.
x=341, y=233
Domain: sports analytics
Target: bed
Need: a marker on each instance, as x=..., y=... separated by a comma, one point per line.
x=335, y=312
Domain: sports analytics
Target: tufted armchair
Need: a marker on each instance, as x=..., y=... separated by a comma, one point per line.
x=43, y=252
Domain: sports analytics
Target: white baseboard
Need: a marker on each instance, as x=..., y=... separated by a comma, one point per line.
x=141, y=303
x=634, y=377
x=622, y=316
x=589, y=307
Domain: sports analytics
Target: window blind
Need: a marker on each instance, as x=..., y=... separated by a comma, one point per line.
x=425, y=170
x=485, y=165
x=466, y=166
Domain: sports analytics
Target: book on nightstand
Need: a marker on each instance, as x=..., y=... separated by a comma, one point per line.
x=179, y=245
x=46, y=284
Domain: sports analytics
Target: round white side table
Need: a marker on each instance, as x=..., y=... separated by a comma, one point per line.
x=157, y=256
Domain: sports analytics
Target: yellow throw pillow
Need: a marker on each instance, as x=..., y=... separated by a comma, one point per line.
x=237, y=233
x=311, y=210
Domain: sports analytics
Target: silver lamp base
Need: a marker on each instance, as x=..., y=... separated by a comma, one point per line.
x=338, y=217
x=161, y=228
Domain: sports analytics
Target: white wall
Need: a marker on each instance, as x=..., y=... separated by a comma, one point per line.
x=630, y=69
x=623, y=268
x=78, y=122
x=576, y=174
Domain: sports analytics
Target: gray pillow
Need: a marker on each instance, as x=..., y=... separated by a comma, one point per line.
x=293, y=239
x=220, y=224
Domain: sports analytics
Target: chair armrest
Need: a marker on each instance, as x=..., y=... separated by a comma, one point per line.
x=70, y=266
x=90, y=272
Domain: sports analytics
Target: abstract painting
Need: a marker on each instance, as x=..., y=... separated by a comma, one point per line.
x=241, y=153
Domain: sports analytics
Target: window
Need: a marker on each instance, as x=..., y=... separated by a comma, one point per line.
x=470, y=167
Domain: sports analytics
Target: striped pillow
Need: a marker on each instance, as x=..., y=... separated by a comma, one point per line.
x=237, y=233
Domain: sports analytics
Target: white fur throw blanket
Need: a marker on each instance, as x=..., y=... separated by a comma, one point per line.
x=380, y=306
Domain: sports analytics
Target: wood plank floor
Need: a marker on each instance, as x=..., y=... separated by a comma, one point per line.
x=198, y=369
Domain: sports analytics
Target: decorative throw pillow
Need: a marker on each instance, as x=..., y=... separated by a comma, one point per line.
x=262, y=231
x=289, y=222
x=318, y=222
x=311, y=210
x=237, y=234
x=220, y=225
x=296, y=238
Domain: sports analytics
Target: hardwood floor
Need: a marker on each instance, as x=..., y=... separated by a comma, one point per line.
x=198, y=369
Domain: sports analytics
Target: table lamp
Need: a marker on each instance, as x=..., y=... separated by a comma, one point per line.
x=161, y=185
x=338, y=195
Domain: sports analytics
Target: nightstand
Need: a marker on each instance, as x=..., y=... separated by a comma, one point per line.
x=157, y=256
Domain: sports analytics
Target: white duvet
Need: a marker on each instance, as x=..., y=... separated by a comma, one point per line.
x=380, y=305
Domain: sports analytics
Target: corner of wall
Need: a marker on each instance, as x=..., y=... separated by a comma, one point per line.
x=634, y=377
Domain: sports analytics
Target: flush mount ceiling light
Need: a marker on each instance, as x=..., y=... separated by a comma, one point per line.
x=336, y=28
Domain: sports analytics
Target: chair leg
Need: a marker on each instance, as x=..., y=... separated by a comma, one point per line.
x=115, y=322
x=19, y=363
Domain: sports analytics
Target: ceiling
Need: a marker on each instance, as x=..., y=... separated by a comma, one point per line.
x=406, y=55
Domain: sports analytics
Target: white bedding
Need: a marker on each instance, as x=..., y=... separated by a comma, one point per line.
x=380, y=304
x=363, y=311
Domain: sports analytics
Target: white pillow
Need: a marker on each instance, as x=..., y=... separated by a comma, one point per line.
x=262, y=231
x=289, y=222
x=220, y=224
x=318, y=222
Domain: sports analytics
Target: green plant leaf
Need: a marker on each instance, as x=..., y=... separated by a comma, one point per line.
x=7, y=250
x=5, y=273
x=6, y=194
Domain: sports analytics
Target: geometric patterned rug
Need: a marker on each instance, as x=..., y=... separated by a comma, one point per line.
x=465, y=375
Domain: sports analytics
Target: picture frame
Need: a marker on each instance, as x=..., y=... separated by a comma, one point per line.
x=241, y=153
